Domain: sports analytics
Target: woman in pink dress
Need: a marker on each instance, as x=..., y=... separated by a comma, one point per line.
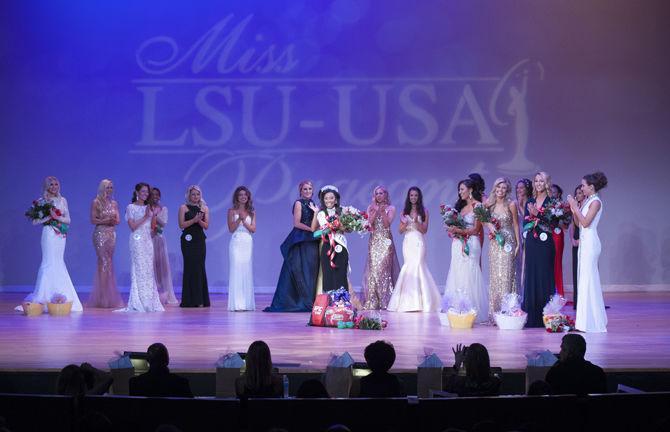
x=161, y=261
x=105, y=217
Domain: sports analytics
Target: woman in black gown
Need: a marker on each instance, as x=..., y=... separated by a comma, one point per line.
x=539, y=260
x=194, y=220
x=334, y=254
x=297, y=280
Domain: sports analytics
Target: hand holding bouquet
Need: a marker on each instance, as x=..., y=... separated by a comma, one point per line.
x=41, y=209
x=451, y=218
x=483, y=215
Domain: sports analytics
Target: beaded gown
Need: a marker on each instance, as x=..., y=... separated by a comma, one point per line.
x=162, y=260
x=105, y=293
x=502, y=263
x=143, y=291
x=240, y=270
x=415, y=290
x=382, y=267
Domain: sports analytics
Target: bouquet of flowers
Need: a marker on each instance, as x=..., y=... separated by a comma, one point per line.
x=40, y=209
x=452, y=218
x=354, y=220
x=554, y=320
x=483, y=215
x=371, y=320
x=547, y=219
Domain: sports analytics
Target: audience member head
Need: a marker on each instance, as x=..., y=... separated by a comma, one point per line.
x=477, y=363
x=157, y=356
x=380, y=356
x=573, y=347
x=539, y=388
x=312, y=389
x=71, y=381
x=258, y=365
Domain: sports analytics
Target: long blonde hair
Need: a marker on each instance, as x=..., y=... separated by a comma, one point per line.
x=102, y=186
x=387, y=200
x=45, y=186
x=491, y=200
x=201, y=203
x=547, y=182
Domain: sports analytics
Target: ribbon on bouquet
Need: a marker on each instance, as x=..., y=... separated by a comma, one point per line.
x=327, y=234
x=465, y=247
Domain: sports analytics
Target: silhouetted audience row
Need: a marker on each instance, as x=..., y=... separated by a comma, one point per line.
x=572, y=374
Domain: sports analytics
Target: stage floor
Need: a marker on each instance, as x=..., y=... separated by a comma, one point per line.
x=638, y=337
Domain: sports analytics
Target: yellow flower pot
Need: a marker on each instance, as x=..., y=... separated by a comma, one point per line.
x=59, y=309
x=32, y=309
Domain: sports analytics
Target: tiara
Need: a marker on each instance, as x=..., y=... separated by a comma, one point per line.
x=329, y=187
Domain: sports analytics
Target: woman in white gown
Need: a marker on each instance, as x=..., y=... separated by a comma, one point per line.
x=415, y=289
x=465, y=276
x=144, y=295
x=242, y=223
x=591, y=315
x=52, y=277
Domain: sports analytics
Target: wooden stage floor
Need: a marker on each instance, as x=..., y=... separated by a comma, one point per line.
x=638, y=337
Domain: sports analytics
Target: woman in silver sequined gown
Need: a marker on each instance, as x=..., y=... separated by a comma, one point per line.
x=382, y=267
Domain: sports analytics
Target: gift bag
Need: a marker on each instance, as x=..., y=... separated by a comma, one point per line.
x=319, y=310
x=429, y=376
x=339, y=376
x=336, y=313
x=228, y=369
x=122, y=371
x=538, y=364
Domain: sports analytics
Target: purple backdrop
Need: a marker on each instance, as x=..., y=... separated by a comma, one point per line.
x=350, y=92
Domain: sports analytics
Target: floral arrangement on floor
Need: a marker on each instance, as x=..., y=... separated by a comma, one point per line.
x=555, y=321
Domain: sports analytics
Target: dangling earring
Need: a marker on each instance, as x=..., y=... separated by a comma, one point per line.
x=470, y=195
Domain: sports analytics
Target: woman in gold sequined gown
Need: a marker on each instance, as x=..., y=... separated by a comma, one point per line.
x=105, y=217
x=382, y=267
x=502, y=259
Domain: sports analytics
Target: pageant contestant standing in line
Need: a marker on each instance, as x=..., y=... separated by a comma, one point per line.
x=465, y=273
x=143, y=292
x=574, y=239
x=502, y=258
x=161, y=258
x=415, y=290
x=296, y=286
x=242, y=223
x=194, y=220
x=381, y=267
x=539, y=263
x=105, y=216
x=591, y=315
x=524, y=190
x=334, y=255
x=558, y=233
x=52, y=277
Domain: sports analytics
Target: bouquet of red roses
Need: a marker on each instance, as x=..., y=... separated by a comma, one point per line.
x=40, y=209
x=452, y=218
x=548, y=218
x=483, y=215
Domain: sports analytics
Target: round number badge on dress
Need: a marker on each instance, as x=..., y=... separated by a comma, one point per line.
x=557, y=230
x=137, y=236
x=543, y=236
x=338, y=249
x=508, y=248
x=525, y=233
x=188, y=237
x=387, y=242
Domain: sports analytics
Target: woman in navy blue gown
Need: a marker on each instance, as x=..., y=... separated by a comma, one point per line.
x=539, y=261
x=297, y=280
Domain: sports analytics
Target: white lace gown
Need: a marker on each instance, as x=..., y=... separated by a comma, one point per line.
x=415, y=289
x=241, y=277
x=144, y=295
x=465, y=275
x=53, y=277
x=591, y=314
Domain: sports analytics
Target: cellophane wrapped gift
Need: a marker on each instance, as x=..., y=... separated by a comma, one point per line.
x=460, y=312
x=429, y=376
x=510, y=316
x=228, y=369
x=339, y=375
